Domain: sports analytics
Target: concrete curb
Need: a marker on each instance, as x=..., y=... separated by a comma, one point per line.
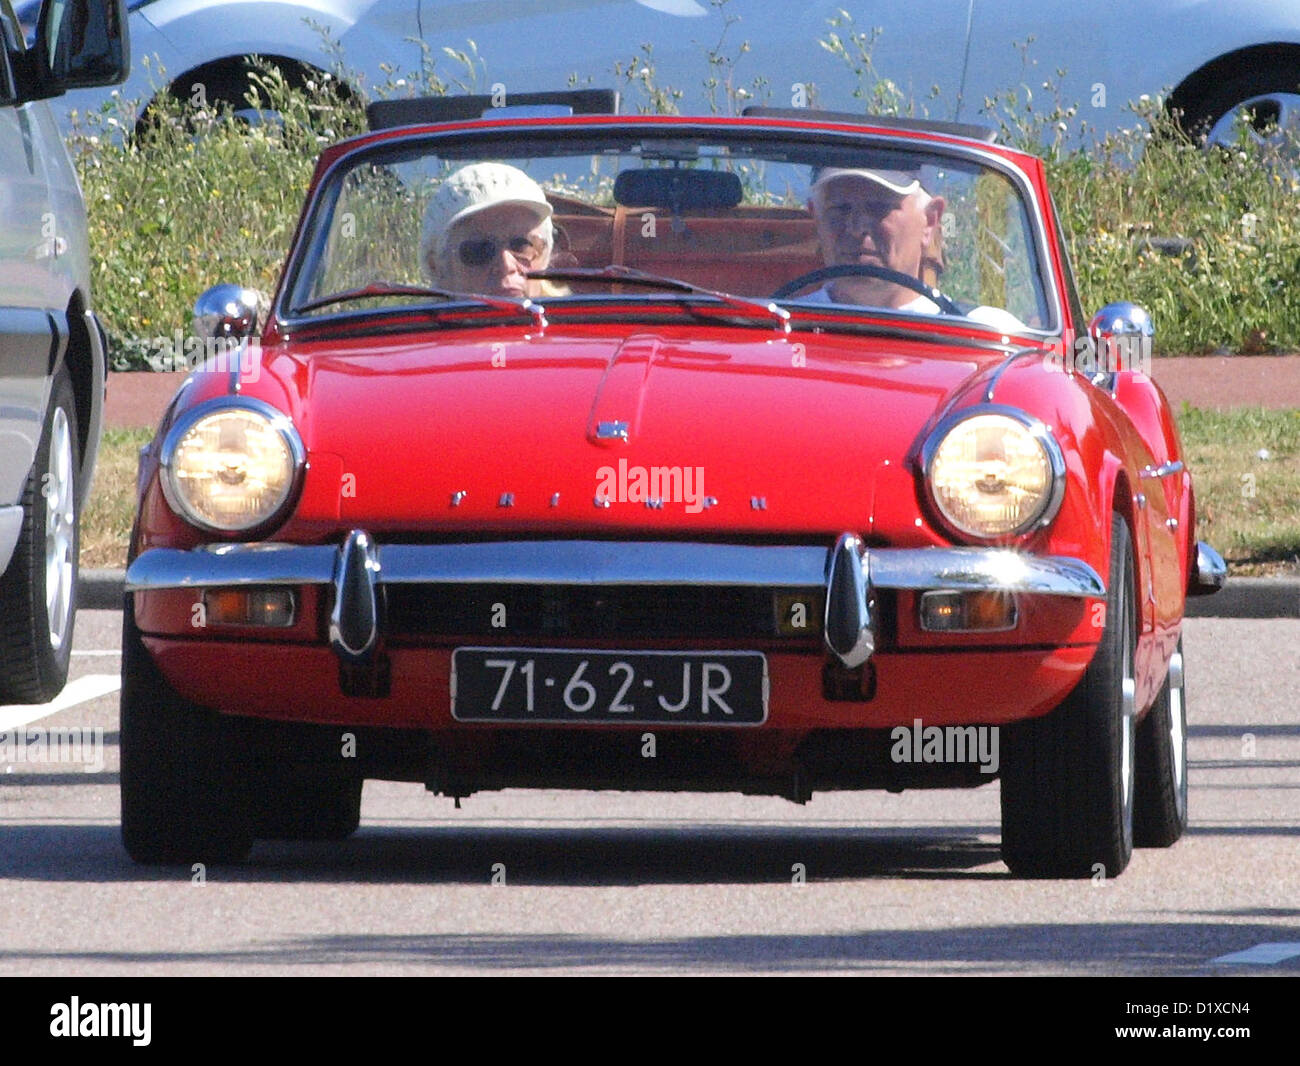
x=1242, y=597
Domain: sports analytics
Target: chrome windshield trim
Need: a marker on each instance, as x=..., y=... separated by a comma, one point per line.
x=583, y=562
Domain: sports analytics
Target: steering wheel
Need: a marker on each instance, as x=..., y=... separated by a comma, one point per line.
x=869, y=270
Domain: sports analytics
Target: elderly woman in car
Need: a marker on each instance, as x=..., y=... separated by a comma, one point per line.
x=485, y=228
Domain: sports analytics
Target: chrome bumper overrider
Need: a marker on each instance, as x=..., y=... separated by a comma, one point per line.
x=849, y=573
x=1211, y=571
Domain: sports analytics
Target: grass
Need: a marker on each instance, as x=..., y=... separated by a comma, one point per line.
x=106, y=520
x=1248, y=505
x=196, y=200
x=1245, y=465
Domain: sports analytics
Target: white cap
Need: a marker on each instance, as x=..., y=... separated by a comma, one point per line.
x=899, y=182
x=472, y=189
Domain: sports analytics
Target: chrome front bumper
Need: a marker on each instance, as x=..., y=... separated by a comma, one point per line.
x=849, y=573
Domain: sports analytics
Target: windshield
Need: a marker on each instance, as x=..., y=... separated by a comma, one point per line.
x=566, y=218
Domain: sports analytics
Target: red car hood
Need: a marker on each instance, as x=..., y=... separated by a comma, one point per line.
x=727, y=429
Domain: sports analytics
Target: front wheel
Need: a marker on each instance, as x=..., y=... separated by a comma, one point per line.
x=38, y=591
x=184, y=797
x=1068, y=777
x=1160, y=814
x=1262, y=104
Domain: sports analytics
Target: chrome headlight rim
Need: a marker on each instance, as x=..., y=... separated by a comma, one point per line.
x=280, y=422
x=1037, y=429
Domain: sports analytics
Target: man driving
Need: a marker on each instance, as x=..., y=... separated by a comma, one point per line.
x=881, y=218
x=484, y=229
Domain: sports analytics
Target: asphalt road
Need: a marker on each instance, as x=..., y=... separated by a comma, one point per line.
x=638, y=883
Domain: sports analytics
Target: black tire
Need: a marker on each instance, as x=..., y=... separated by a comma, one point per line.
x=1160, y=788
x=231, y=84
x=225, y=86
x=184, y=797
x=309, y=808
x=36, y=636
x=1266, y=76
x=1067, y=778
x=232, y=88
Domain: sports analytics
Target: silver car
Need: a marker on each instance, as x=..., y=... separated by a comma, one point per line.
x=1220, y=62
x=52, y=352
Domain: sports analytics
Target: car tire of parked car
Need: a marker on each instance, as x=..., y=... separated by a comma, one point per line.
x=309, y=808
x=184, y=797
x=38, y=591
x=1068, y=777
x=1275, y=80
x=1160, y=796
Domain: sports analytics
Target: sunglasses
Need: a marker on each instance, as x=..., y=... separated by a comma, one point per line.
x=479, y=251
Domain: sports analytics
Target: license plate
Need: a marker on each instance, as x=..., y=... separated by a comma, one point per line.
x=550, y=685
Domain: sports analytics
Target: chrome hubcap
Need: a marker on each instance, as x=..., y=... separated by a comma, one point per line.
x=1270, y=120
x=1178, y=727
x=60, y=530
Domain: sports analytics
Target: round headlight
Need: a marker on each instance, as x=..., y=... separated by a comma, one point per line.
x=231, y=464
x=995, y=473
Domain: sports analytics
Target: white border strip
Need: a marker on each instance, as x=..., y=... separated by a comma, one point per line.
x=1263, y=954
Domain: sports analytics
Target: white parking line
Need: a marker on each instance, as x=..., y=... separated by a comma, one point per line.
x=1263, y=954
x=90, y=687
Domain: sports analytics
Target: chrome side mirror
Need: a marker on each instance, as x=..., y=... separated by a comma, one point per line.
x=1124, y=336
x=226, y=312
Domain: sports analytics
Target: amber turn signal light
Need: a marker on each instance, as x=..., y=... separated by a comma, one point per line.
x=248, y=607
x=965, y=612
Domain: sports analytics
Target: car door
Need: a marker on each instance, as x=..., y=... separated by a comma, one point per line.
x=27, y=250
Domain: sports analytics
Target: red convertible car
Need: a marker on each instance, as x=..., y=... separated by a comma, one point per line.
x=769, y=454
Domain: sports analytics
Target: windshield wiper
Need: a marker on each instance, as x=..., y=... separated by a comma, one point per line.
x=628, y=276
x=388, y=288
